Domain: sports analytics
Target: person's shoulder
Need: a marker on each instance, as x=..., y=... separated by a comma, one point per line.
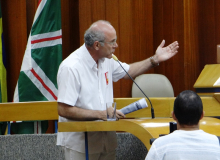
x=71, y=61
x=208, y=135
x=172, y=137
x=165, y=138
x=69, y=65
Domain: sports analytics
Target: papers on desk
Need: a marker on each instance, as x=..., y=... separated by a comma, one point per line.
x=217, y=83
x=140, y=104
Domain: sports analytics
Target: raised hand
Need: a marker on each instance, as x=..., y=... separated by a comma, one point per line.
x=165, y=53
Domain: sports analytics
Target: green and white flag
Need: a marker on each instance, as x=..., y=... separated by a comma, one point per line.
x=43, y=55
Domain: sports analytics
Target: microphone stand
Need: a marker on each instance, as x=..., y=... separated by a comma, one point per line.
x=152, y=109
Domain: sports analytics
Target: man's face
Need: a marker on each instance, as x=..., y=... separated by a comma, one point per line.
x=110, y=44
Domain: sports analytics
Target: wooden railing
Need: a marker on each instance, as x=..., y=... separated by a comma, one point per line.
x=144, y=128
x=26, y=111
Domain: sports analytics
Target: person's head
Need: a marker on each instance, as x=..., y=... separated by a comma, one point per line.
x=101, y=36
x=188, y=108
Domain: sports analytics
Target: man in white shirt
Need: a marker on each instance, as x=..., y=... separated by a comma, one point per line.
x=188, y=141
x=85, y=84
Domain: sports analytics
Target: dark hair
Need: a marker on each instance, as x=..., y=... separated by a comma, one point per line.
x=188, y=108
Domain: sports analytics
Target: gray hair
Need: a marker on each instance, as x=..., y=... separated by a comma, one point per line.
x=91, y=35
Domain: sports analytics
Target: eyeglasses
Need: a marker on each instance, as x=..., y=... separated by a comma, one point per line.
x=112, y=43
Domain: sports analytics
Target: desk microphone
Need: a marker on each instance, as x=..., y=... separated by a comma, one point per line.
x=152, y=109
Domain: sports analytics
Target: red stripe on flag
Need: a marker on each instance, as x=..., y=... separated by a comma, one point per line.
x=46, y=39
x=42, y=82
x=39, y=2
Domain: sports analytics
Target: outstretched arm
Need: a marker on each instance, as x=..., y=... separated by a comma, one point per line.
x=162, y=54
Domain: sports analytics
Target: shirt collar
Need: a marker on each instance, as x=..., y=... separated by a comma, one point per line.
x=88, y=58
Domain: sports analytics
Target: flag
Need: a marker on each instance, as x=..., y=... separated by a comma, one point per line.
x=43, y=55
x=3, y=82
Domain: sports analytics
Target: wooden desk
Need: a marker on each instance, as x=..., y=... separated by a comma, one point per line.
x=144, y=129
x=47, y=110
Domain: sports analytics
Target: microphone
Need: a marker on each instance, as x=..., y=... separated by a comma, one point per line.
x=152, y=109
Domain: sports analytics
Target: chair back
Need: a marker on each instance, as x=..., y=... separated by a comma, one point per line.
x=153, y=85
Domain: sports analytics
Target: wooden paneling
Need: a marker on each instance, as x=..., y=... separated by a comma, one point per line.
x=127, y=38
x=168, y=25
x=207, y=26
x=217, y=22
x=135, y=36
x=31, y=10
x=177, y=21
x=70, y=26
x=15, y=36
x=209, y=33
x=176, y=75
x=191, y=52
x=141, y=25
x=85, y=17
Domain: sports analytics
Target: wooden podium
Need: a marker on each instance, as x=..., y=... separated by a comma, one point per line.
x=144, y=129
x=208, y=82
x=207, y=85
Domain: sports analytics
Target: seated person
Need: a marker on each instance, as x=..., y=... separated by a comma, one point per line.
x=188, y=142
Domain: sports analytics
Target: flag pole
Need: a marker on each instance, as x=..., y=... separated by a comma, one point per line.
x=86, y=146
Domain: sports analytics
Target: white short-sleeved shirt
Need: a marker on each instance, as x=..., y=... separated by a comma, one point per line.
x=185, y=145
x=82, y=84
